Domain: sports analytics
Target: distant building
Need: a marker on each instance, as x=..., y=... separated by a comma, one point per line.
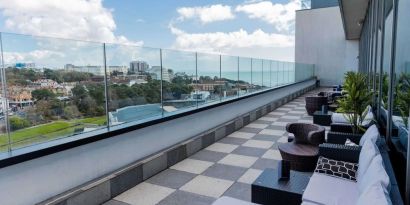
x=96, y=70
x=25, y=65
x=138, y=66
x=155, y=73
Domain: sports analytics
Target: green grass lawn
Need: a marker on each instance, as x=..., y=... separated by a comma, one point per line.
x=49, y=131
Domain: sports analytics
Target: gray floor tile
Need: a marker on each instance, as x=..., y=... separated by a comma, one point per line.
x=286, y=120
x=240, y=191
x=209, y=156
x=115, y=202
x=265, y=164
x=262, y=122
x=233, y=140
x=182, y=197
x=171, y=178
x=270, y=138
x=249, y=151
x=251, y=130
x=222, y=171
x=276, y=127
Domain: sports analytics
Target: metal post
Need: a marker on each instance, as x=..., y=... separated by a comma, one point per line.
x=196, y=75
x=371, y=10
x=251, y=74
x=106, y=87
x=262, y=73
x=270, y=73
x=376, y=34
x=220, y=74
x=237, y=82
x=6, y=101
x=161, y=84
x=381, y=63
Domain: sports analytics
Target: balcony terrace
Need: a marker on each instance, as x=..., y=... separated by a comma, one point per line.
x=227, y=167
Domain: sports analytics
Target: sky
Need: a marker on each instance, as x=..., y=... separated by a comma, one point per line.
x=249, y=28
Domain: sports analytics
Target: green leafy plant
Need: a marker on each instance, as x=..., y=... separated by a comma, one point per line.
x=403, y=96
x=355, y=102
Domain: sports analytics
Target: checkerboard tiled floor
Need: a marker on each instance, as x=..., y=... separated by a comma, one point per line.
x=227, y=167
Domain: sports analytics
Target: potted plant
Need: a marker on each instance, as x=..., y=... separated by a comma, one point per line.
x=355, y=102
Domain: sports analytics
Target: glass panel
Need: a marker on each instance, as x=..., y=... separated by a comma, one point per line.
x=275, y=73
x=401, y=102
x=230, y=76
x=266, y=74
x=178, y=92
x=134, y=85
x=388, y=28
x=209, y=86
x=55, y=88
x=4, y=142
x=245, y=75
x=292, y=73
x=257, y=74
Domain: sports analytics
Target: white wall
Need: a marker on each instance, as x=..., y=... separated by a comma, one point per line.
x=320, y=40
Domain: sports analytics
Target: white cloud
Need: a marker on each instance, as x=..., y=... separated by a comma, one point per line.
x=206, y=14
x=281, y=16
x=73, y=19
x=225, y=42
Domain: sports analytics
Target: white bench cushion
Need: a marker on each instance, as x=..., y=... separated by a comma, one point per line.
x=323, y=189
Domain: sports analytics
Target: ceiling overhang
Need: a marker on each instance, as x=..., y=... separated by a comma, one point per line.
x=353, y=15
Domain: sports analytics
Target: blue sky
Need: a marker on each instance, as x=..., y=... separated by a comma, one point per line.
x=254, y=28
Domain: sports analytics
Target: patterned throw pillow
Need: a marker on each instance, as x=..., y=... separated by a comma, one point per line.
x=350, y=143
x=341, y=169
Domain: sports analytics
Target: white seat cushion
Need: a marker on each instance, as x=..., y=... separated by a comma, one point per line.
x=323, y=189
x=374, y=174
x=368, y=118
x=225, y=200
x=339, y=118
x=372, y=133
x=369, y=151
x=309, y=203
x=344, y=118
x=374, y=195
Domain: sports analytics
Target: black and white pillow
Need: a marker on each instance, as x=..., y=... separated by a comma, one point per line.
x=341, y=169
x=350, y=143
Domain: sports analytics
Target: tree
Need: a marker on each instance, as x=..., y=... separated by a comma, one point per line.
x=17, y=123
x=42, y=94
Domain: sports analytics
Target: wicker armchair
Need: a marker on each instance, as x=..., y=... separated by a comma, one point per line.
x=306, y=133
x=314, y=103
x=302, y=151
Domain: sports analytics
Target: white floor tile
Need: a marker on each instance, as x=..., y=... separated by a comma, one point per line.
x=238, y=160
x=270, y=119
x=243, y=135
x=207, y=186
x=256, y=125
x=280, y=123
x=258, y=144
x=192, y=166
x=272, y=154
x=145, y=193
x=277, y=113
x=283, y=140
x=272, y=132
x=221, y=147
x=250, y=176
